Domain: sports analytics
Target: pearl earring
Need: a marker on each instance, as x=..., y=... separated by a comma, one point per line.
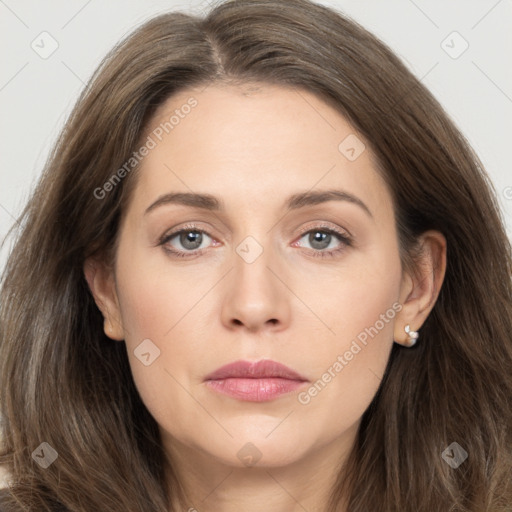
x=413, y=335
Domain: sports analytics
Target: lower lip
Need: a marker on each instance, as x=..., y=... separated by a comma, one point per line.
x=255, y=390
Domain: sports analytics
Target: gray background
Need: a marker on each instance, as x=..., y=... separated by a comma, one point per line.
x=36, y=94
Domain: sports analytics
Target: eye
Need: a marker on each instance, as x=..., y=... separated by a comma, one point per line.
x=187, y=241
x=325, y=241
x=190, y=241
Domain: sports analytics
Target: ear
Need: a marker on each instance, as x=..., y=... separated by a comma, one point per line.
x=101, y=282
x=420, y=288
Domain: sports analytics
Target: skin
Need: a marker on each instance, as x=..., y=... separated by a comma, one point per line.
x=252, y=148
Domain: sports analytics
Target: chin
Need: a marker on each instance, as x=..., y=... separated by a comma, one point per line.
x=259, y=451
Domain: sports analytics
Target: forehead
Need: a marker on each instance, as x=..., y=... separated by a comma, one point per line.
x=255, y=143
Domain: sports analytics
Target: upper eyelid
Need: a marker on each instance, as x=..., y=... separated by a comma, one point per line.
x=323, y=226
x=187, y=227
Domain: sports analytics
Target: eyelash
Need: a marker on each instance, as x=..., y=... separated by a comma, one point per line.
x=345, y=239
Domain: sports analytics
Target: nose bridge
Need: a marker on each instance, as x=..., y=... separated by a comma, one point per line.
x=254, y=249
x=253, y=257
x=256, y=296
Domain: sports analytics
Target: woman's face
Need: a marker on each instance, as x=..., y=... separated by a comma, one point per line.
x=271, y=266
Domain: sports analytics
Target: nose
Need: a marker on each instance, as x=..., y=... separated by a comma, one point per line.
x=256, y=297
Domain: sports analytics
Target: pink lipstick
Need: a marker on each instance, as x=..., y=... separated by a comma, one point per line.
x=261, y=381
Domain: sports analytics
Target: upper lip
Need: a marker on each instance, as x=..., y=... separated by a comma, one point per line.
x=265, y=368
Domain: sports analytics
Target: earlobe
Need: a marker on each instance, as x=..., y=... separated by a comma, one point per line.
x=420, y=290
x=102, y=286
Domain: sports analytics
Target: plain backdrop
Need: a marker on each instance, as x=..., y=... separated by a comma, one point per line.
x=459, y=49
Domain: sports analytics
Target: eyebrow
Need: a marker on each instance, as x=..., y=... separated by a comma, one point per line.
x=294, y=202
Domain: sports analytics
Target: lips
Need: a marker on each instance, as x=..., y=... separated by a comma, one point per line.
x=265, y=368
x=255, y=382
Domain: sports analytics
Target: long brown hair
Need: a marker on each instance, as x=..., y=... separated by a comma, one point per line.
x=65, y=383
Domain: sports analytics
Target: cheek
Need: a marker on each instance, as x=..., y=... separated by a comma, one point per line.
x=349, y=365
x=154, y=303
x=153, y=293
x=352, y=297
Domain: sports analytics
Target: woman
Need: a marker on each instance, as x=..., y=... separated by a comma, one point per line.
x=262, y=270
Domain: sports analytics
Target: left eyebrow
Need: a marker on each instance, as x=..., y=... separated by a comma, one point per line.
x=294, y=202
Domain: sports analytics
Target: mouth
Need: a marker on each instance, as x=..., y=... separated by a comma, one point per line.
x=262, y=381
